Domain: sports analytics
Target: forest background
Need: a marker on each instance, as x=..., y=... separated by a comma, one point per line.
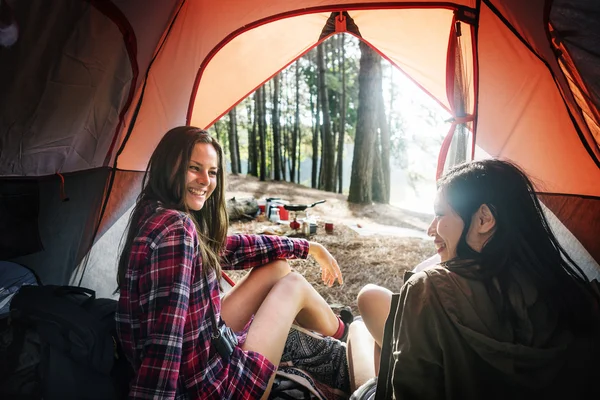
x=340, y=119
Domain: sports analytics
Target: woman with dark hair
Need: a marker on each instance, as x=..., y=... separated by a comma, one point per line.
x=507, y=313
x=174, y=328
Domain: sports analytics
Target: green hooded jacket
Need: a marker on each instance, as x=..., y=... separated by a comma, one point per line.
x=446, y=341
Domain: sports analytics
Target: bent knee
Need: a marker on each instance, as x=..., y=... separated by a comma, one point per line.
x=291, y=283
x=373, y=297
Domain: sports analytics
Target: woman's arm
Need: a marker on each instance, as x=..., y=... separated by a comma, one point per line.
x=249, y=251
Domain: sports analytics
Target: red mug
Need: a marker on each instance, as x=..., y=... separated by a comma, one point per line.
x=284, y=214
x=329, y=227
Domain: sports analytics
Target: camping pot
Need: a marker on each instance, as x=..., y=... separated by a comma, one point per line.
x=301, y=207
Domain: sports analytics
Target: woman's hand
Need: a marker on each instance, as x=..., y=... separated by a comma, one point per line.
x=330, y=270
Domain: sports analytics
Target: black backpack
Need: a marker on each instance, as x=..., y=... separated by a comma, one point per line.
x=62, y=344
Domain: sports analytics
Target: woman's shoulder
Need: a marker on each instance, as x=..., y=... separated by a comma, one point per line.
x=437, y=279
x=159, y=219
x=429, y=275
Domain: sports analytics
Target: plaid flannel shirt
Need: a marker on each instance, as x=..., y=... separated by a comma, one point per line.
x=163, y=319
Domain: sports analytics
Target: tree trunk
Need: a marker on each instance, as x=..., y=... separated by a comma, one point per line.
x=217, y=131
x=366, y=126
x=377, y=188
x=315, y=141
x=275, y=123
x=340, y=149
x=296, y=131
x=334, y=101
x=384, y=133
x=233, y=142
x=262, y=133
x=299, y=156
x=285, y=128
x=381, y=155
x=392, y=95
x=252, y=142
x=285, y=151
x=237, y=145
x=328, y=175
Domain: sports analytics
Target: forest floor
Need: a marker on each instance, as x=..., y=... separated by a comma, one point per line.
x=372, y=243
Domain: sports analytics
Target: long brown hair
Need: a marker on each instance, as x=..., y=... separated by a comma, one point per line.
x=165, y=182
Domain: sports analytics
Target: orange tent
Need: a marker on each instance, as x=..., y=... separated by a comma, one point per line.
x=89, y=88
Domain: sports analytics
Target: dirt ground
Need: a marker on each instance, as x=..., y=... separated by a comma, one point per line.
x=363, y=257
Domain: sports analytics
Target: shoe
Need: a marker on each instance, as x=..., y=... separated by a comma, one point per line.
x=347, y=318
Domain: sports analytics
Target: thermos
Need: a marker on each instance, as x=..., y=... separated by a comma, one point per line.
x=271, y=203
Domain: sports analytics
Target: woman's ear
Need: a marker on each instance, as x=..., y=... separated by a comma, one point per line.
x=486, y=222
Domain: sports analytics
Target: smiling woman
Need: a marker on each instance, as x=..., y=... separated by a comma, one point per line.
x=507, y=313
x=447, y=228
x=180, y=337
x=201, y=175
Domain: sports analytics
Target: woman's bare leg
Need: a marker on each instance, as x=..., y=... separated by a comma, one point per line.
x=244, y=299
x=374, y=303
x=292, y=297
x=360, y=352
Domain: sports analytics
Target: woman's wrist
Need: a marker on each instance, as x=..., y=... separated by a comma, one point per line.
x=313, y=247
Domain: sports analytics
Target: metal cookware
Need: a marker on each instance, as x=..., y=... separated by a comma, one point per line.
x=301, y=207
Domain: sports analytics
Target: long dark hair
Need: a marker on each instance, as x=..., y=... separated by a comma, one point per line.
x=522, y=239
x=165, y=182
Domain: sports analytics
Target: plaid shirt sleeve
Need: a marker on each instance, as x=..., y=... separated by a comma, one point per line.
x=249, y=251
x=164, y=289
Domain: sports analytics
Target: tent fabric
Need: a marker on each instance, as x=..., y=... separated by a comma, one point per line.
x=19, y=212
x=66, y=228
x=225, y=80
x=62, y=86
x=577, y=28
x=90, y=87
x=571, y=210
x=536, y=36
x=176, y=91
x=523, y=117
x=339, y=22
x=125, y=187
